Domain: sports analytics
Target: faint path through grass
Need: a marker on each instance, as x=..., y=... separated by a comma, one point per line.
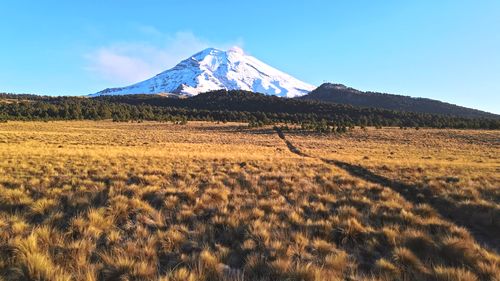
x=413, y=193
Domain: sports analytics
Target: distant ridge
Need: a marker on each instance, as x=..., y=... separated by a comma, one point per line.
x=338, y=93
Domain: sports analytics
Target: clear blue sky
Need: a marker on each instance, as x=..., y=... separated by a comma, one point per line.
x=446, y=49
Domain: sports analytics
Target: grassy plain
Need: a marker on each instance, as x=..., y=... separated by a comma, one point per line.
x=205, y=201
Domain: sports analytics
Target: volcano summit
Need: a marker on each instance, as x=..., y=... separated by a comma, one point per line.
x=213, y=69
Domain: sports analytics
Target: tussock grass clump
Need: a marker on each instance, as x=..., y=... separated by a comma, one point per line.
x=455, y=274
x=202, y=202
x=409, y=264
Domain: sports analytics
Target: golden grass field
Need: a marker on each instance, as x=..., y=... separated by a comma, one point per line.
x=86, y=200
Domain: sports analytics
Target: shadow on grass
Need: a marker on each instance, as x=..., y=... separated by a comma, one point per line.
x=489, y=236
x=290, y=145
x=418, y=194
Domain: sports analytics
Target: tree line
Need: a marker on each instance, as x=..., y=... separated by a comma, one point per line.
x=224, y=106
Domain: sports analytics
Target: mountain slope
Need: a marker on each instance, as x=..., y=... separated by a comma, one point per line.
x=221, y=105
x=337, y=93
x=213, y=69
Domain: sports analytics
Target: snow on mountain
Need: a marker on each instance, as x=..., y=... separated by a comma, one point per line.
x=213, y=69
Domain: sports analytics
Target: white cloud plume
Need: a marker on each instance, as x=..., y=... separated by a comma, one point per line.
x=130, y=62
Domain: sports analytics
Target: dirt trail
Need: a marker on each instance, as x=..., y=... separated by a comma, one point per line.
x=413, y=193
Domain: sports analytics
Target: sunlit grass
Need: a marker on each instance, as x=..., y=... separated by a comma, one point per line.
x=151, y=201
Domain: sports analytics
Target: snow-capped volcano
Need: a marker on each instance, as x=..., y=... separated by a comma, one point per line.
x=213, y=69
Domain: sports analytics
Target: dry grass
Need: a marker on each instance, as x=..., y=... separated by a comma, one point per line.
x=150, y=201
x=453, y=172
